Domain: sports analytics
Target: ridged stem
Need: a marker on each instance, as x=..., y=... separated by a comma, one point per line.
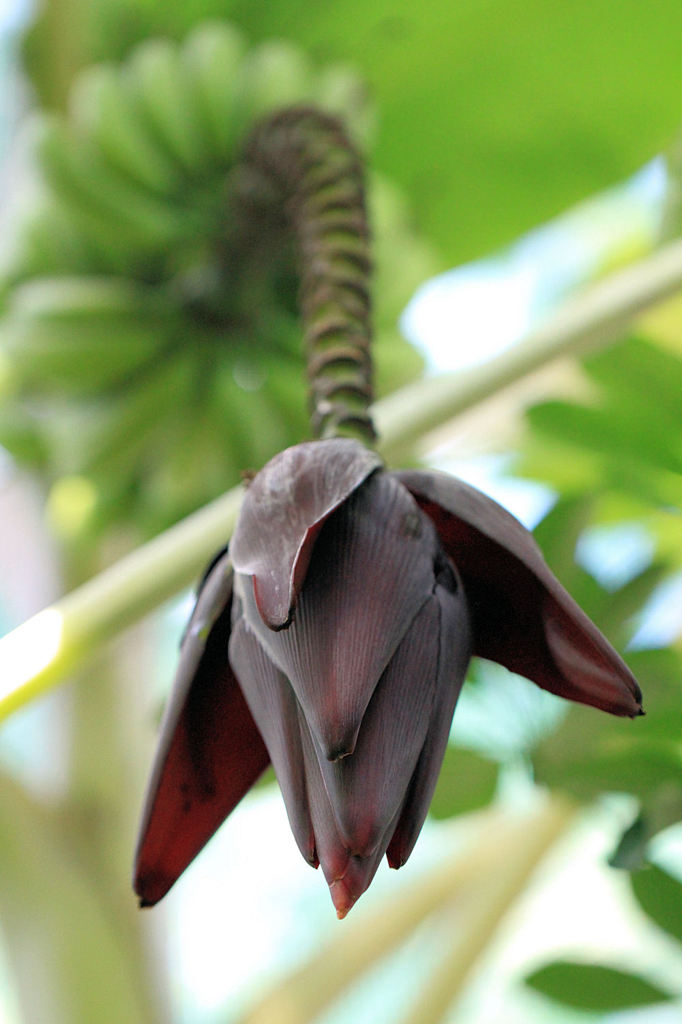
x=300, y=166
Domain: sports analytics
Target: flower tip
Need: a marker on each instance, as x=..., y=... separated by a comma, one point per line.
x=342, y=897
x=631, y=705
x=276, y=613
x=151, y=887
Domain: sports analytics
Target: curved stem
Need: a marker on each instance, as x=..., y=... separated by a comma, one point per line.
x=300, y=167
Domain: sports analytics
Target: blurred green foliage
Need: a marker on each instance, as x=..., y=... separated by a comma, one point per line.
x=627, y=438
x=138, y=359
x=494, y=115
x=660, y=897
x=145, y=350
x=615, y=456
x=467, y=781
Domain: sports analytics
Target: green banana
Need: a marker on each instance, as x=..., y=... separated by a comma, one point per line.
x=78, y=335
x=113, y=214
x=52, y=299
x=287, y=392
x=340, y=91
x=158, y=82
x=194, y=462
x=253, y=422
x=176, y=399
x=49, y=244
x=49, y=358
x=274, y=75
x=103, y=112
x=77, y=360
x=22, y=438
x=126, y=436
x=212, y=57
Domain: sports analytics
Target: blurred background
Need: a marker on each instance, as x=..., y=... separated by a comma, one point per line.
x=519, y=156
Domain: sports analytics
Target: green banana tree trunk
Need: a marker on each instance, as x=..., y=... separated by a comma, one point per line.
x=78, y=948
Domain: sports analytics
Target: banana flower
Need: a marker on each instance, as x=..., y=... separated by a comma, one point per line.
x=333, y=640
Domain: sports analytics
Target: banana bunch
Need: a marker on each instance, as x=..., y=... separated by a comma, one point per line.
x=83, y=335
x=128, y=354
x=139, y=166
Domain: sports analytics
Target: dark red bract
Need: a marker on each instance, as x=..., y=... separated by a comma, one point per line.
x=333, y=642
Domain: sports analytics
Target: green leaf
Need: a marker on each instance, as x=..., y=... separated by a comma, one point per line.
x=613, y=611
x=627, y=442
x=621, y=370
x=609, y=762
x=616, y=432
x=630, y=853
x=590, y=754
x=659, y=811
x=660, y=675
x=18, y=434
x=570, y=471
x=493, y=116
x=594, y=987
x=466, y=782
x=558, y=533
x=615, y=617
x=660, y=896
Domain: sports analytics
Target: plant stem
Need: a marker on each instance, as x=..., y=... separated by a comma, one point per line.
x=73, y=961
x=47, y=647
x=474, y=919
x=592, y=319
x=38, y=655
x=301, y=164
